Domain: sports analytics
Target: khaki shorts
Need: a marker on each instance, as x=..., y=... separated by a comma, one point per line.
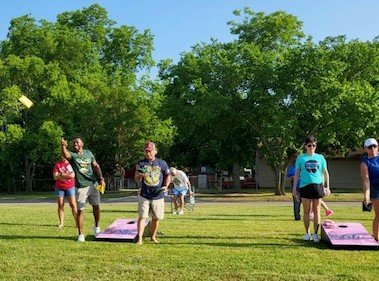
x=150, y=208
x=89, y=193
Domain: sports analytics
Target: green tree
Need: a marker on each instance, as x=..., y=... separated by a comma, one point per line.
x=296, y=88
x=11, y=134
x=81, y=74
x=270, y=88
x=23, y=75
x=205, y=101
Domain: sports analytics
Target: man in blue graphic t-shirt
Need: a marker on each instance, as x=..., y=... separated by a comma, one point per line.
x=154, y=175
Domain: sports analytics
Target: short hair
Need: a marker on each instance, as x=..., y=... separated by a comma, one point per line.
x=310, y=138
x=78, y=137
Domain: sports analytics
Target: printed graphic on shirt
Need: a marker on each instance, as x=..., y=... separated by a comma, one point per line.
x=65, y=169
x=84, y=164
x=177, y=182
x=152, y=175
x=311, y=166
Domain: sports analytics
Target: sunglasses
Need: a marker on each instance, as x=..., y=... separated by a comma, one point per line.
x=311, y=145
x=372, y=146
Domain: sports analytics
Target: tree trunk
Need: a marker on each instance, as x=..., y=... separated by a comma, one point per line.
x=280, y=183
x=29, y=174
x=10, y=181
x=236, y=177
x=11, y=185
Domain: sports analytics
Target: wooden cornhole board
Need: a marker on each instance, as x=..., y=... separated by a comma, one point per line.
x=347, y=235
x=122, y=230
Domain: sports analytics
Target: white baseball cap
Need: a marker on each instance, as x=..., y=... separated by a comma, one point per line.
x=370, y=141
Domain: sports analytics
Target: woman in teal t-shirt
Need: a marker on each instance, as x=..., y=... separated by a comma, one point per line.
x=311, y=170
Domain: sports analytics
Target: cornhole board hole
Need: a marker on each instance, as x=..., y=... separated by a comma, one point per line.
x=123, y=230
x=347, y=235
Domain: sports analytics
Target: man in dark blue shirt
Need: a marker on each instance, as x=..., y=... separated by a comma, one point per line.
x=296, y=199
x=154, y=175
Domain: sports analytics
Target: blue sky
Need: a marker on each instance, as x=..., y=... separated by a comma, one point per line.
x=179, y=24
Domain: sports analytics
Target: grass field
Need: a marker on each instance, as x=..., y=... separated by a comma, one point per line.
x=262, y=194
x=219, y=241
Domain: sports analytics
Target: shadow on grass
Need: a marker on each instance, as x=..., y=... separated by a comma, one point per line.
x=30, y=224
x=74, y=237
x=287, y=242
x=281, y=217
x=29, y=237
x=248, y=215
x=222, y=218
x=209, y=219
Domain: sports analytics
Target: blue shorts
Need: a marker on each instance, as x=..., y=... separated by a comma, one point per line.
x=177, y=192
x=64, y=193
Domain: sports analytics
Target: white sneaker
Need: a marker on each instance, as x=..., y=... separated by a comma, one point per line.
x=174, y=212
x=307, y=237
x=96, y=230
x=81, y=238
x=316, y=239
x=181, y=212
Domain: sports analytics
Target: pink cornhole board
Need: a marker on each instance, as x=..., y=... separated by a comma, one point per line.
x=122, y=230
x=347, y=235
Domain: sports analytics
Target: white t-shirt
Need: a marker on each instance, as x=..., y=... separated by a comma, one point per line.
x=180, y=180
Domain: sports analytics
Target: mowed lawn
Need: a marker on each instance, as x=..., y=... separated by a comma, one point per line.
x=219, y=241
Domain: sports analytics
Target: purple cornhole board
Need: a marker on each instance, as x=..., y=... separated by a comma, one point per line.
x=122, y=230
x=347, y=235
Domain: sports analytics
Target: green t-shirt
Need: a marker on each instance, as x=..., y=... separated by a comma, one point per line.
x=82, y=165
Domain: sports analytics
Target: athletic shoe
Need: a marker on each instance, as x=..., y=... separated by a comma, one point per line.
x=96, y=230
x=81, y=238
x=61, y=225
x=311, y=216
x=328, y=213
x=316, y=239
x=181, y=212
x=175, y=212
x=307, y=237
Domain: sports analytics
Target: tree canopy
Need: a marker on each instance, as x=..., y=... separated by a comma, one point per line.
x=270, y=88
x=81, y=72
x=221, y=104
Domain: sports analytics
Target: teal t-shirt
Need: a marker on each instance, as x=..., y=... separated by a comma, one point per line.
x=311, y=168
x=82, y=165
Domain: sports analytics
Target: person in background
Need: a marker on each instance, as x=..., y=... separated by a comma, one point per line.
x=64, y=177
x=154, y=176
x=87, y=175
x=370, y=181
x=296, y=198
x=182, y=185
x=311, y=171
x=328, y=211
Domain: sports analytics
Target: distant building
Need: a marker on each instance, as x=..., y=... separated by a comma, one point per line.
x=344, y=172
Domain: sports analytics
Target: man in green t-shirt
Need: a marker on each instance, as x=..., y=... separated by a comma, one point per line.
x=87, y=175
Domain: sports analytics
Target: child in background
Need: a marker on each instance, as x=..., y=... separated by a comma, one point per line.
x=64, y=177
